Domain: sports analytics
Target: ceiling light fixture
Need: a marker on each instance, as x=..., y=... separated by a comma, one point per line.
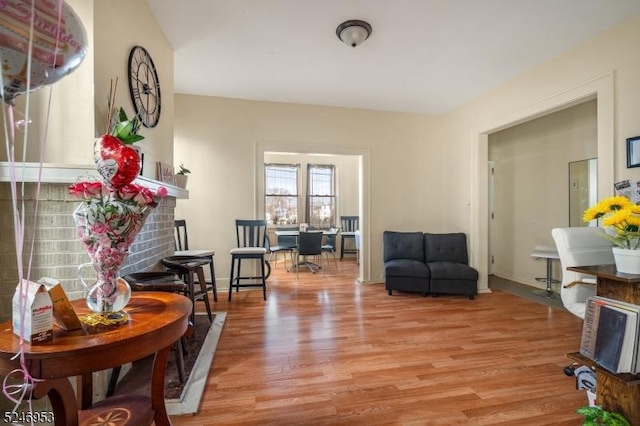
x=353, y=32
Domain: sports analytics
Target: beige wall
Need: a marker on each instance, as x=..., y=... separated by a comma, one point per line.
x=79, y=100
x=424, y=172
x=531, y=190
x=120, y=25
x=419, y=172
x=605, y=66
x=222, y=140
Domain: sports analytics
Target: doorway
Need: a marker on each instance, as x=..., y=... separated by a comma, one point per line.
x=600, y=88
x=359, y=192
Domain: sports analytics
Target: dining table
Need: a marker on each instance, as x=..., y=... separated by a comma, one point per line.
x=155, y=321
x=296, y=233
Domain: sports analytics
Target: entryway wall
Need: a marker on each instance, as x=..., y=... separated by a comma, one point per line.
x=531, y=175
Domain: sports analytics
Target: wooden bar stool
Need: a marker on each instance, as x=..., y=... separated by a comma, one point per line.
x=349, y=226
x=182, y=249
x=251, y=238
x=188, y=267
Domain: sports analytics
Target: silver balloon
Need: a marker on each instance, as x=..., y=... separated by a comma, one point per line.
x=57, y=49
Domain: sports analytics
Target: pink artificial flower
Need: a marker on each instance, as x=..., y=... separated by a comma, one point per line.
x=127, y=192
x=100, y=228
x=161, y=192
x=86, y=189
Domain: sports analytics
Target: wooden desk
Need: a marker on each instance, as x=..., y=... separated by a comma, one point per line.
x=616, y=392
x=156, y=321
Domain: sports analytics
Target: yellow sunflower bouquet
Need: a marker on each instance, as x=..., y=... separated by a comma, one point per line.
x=620, y=214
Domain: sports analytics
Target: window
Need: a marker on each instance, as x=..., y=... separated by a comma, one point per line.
x=281, y=194
x=321, y=196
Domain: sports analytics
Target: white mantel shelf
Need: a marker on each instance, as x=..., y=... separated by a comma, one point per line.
x=66, y=173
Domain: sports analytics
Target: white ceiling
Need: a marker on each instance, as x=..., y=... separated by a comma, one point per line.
x=424, y=56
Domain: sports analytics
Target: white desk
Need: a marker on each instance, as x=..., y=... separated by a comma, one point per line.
x=548, y=253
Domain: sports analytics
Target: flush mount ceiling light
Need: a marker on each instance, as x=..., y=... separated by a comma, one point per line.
x=353, y=32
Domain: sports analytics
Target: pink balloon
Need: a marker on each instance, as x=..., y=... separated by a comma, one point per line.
x=57, y=49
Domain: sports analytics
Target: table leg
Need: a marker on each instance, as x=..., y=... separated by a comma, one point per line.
x=157, y=387
x=62, y=398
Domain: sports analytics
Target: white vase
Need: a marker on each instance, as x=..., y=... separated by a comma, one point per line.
x=181, y=181
x=627, y=261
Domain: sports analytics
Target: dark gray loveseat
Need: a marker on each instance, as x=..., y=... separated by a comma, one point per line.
x=428, y=263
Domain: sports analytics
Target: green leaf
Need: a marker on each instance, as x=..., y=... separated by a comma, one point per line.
x=131, y=139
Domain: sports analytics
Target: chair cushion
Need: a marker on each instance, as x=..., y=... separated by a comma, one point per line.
x=282, y=247
x=403, y=245
x=452, y=271
x=406, y=268
x=248, y=250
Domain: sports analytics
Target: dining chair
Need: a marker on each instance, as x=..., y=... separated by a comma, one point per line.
x=309, y=244
x=182, y=249
x=349, y=226
x=285, y=244
x=251, y=239
x=329, y=245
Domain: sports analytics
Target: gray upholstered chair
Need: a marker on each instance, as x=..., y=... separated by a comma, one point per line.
x=404, y=267
x=448, y=262
x=309, y=244
x=284, y=244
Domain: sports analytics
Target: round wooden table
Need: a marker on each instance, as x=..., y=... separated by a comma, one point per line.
x=156, y=321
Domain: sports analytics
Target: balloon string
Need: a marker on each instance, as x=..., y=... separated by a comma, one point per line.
x=20, y=390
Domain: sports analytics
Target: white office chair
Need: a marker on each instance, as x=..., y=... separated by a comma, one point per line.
x=582, y=246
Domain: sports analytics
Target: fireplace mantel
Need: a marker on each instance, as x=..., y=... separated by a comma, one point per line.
x=65, y=173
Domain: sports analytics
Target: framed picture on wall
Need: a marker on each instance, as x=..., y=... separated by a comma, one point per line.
x=633, y=152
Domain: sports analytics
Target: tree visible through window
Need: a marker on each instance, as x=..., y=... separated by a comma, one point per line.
x=321, y=196
x=281, y=194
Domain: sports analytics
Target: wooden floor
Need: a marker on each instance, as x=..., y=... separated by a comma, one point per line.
x=325, y=350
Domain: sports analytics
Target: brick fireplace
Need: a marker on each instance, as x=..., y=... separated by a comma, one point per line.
x=57, y=250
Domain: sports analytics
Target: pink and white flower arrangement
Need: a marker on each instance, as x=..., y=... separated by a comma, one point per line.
x=107, y=222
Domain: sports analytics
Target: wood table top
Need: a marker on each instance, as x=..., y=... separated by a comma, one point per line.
x=606, y=271
x=156, y=320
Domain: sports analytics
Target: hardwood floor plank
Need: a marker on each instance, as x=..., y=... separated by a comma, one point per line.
x=325, y=350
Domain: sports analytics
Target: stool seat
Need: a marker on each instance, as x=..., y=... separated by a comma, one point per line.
x=185, y=261
x=155, y=281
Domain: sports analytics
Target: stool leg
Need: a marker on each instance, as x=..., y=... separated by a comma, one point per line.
x=180, y=361
x=113, y=380
x=213, y=280
x=238, y=275
x=264, y=280
x=203, y=289
x=549, y=275
x=233, y=260
x=190, y=283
